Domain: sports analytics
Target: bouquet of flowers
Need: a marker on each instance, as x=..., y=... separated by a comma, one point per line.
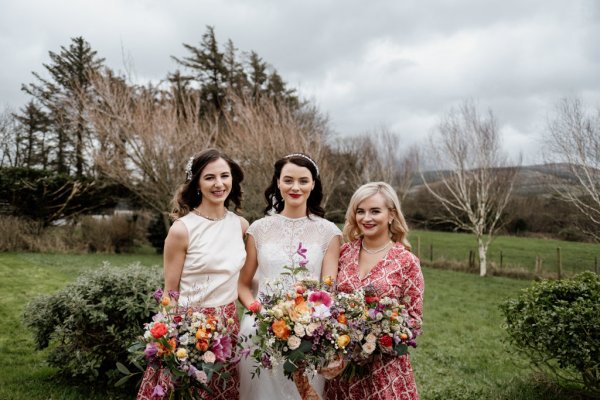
x=186, y=346
x=296, y=326
x=385, y=327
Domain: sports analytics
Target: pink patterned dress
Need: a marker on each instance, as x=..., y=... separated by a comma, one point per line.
x=399, y=275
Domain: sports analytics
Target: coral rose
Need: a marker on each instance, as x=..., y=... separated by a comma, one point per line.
x=159, y=330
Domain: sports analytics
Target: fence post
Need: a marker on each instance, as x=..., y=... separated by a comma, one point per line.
x=538, y=266
x=419, y=247
x=431, y=252
x=558, y=263
x=471, y=260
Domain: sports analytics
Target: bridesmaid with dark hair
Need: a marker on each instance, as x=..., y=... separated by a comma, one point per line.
x=296, y=217
x=203, y=254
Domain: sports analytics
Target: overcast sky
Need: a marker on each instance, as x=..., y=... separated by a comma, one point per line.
x=394, y=64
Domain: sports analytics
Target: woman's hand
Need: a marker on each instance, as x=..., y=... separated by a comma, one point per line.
x=334, y=368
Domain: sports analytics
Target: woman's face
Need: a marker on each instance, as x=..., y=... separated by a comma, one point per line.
x=295, y=184
x=373, y=217
x=215, y=181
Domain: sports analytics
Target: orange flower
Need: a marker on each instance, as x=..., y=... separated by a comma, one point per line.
x=299, y=300
x=201, y=334
x=165, y=301
x=394, y=316
x=280, y=329
x=211, y=323
x=342, y=319
x=403, y=336
x=162, y=349
x=202, y=345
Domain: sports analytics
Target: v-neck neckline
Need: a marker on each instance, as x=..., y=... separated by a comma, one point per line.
x=357, y=261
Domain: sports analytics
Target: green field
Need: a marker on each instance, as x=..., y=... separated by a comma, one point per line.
x=460, y=356
x=517, y=252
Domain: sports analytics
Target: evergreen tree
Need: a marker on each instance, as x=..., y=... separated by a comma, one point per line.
x=61, y=98
x=257, y=75
x=32, y=140
x=208, y=66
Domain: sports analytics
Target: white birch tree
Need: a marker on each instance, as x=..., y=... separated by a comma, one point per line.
x=474, y=179
x=573, y=139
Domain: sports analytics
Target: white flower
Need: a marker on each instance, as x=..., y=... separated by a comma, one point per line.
x=379, y=316
x=209, y=357
x=368, y=347
x=294, y=342
x=299, y=330
x=184, y=339
x=371, y=338
x=321, y=311
x=201, y=376
x=147, y=335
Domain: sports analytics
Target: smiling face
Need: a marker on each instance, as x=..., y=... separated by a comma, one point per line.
x=295, y=184
x=215, y=182
x=373, y=217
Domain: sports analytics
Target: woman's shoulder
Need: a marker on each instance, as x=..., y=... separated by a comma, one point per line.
x=349, y=246
x=403, y=256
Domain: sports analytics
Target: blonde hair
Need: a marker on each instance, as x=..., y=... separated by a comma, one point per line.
x=398, y=228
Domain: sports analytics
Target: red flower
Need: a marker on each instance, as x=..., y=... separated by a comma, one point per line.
x=385, y=341
x=159, y=330
x=371, y=299
x=177, y=319
x=254, y=307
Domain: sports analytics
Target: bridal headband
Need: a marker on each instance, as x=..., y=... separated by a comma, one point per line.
x=305, y=157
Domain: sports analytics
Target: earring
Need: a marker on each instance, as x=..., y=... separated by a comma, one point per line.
x=198, y=193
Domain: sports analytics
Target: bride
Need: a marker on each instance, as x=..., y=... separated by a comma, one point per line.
x=295, y=194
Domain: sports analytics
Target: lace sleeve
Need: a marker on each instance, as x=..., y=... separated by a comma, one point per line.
x=255, y=231
x=330, y=230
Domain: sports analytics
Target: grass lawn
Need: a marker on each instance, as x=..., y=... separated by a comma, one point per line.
x=516, y=251
x=460, y=355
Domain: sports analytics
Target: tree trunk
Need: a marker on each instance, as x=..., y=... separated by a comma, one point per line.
x=482, y=256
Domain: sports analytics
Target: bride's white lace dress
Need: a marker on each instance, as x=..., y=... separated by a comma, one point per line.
x=277, y=238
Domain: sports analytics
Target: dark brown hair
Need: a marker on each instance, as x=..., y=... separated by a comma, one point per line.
x=273, y=195
x=188, y=195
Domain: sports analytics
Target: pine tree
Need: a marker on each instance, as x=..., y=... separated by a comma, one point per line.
x=32, y=144
x=208, y=67
x=61, y=98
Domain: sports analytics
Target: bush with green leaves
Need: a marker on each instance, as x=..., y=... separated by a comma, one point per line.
x=90, y=324
x=557, y=325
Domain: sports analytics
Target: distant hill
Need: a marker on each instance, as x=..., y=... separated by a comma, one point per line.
x=532, y=180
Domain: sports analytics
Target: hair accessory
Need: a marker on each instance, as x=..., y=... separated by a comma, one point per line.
x=306, y=157
x=188, y=169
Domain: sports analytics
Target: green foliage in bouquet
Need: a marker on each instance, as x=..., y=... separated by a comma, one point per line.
x=557, y=324
x=90, y=324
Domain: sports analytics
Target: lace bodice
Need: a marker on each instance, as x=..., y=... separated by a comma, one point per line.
x=277, y=239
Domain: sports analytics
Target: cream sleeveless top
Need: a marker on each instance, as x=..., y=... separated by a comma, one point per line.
x=214, y=258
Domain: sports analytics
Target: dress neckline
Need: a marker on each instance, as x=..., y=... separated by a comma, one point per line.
x=292, y=219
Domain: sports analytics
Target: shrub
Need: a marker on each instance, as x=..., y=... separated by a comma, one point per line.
x=92, y=322
x=557, y=325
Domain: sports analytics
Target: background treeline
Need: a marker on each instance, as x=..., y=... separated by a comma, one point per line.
x=90, y=141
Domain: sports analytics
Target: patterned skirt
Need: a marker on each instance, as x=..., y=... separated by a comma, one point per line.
x=390, y=378
x=221, y=390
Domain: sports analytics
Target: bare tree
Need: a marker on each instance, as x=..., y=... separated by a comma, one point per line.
x=9, y=139
x=474, y=179
x=143, y=141
x=259, y=132
x=573, y=139
x=379, y=156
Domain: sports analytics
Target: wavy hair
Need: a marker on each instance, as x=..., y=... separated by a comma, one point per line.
x=398, y=229
x=273, y=195
x=188, y=195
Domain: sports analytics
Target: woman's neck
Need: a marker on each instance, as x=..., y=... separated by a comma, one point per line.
x=211, y=210
x=376, y=242
x=293, y=212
